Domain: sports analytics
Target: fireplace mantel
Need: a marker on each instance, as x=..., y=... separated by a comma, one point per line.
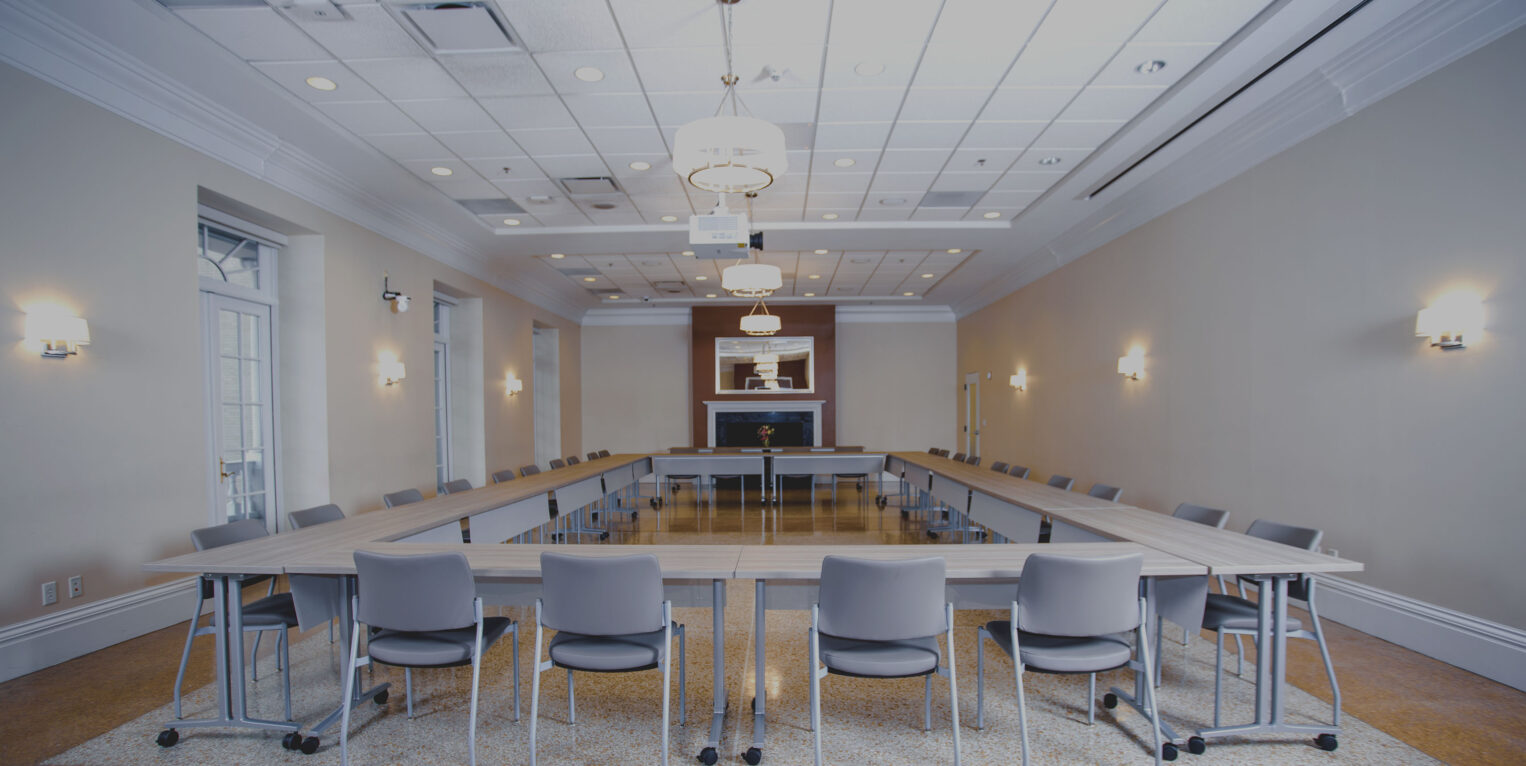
x=812, y=406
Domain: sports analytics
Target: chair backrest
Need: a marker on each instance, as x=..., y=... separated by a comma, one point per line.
x=557, y=462
x=402, y=497
x=433, y=591
x=932, y=450
x=601, y=596
x=959, y=457
x=1062, y=482
x=207, y=538
x=1212, y=517
x=457, y=485
x=500, y=477
x=1079, y=595
x=1105, y=492
x=1020, y=471
x=529, y=470
x=999, y=467
x=972, y=460
x=573, y=460
x=1306, y=538
x=603, y=453
x=594, y=456
x=882, y=600
x=312, y=517
x=942, y=453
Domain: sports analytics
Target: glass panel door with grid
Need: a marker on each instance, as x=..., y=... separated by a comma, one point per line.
x=242, y=418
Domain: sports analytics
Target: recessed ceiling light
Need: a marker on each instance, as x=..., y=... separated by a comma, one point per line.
x=590, y=279
x=321, y=83
x=868, y=68
x=709, y=295
x=992, y=214
x=1050, y=160
x=557, y=256
x=892, y=201
x=639, y=165
x=953, y=251
x=669, y=218
x=588, y=73
x=828, y=216
x=614, y=297
x=908, y=293
x=810, y=295
x=442, y=171
x=1150, y=67
x=511, y=222
x=927, y=276
x=701, y=278
x=687, y=252
x=821, y=252
x=814, y=276
x=845, y=162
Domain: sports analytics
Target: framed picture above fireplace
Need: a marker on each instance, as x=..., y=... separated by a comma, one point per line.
x=765, y=365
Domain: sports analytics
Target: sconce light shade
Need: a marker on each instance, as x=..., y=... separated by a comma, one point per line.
x=55, y=332
x=512, y=385
x=389, y=369
x=1450, y=319
x=1019, y=380
x=1131, y=365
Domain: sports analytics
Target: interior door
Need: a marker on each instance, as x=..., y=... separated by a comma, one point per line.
x=242, y=418
x=972, y=413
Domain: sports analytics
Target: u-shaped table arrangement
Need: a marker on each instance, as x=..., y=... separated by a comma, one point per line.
x=1178, y=555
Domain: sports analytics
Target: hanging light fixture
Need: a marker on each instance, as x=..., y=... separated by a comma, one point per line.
x=760, y=324
x=729, y=154
x=751, y=280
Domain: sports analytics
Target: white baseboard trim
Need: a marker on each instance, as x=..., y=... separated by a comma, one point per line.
x=26, y=647
x=1492, y=650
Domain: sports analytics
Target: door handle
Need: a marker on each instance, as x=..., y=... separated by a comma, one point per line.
x=222, y=470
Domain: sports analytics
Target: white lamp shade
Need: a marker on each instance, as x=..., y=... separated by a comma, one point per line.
x=55, y=327
x=1019, y=380
x=752, y=280
x=729, y=154
x=389, y=369
x=765, y=359
x=760, y=324
x=1132, y=364
x=1454, y=315
x=512, y=384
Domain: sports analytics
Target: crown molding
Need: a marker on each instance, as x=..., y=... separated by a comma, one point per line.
x=894, y=315
x=636, y=317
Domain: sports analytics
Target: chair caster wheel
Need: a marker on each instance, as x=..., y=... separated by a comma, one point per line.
x=1168, y=752
x=380, y=698
x=167, y=738
x=653, y=502
x=905, y=514
x=309, y=745
x=708, y=756
x=603, y=535
x=1196, y=745
x=635, y=515
x=1325, y=742
x=860, y=486
x=753, y=756
x=1110, y=700
x=931, y=535
x=292, y=741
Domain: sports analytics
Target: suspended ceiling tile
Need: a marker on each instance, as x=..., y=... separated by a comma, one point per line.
x=992, y=134
x=1199, y=21
x=489, y=75
x=938, y=214
x=944, y=103
x=540, y=142
x=902, y=182
x=254, y=34
x=925, y=135
x=860, y=104
x=835, y=200
x=1007, y=199
x=948, y=181
x=367, y=117
x=292, y=75
x=799, y=21
x=1111, y=103
x=1027, y=104
x=819, y=213
x=1035, y=159
x=448, y=115
x=1077, y=134
x=633, y=140
x=565, y=25
x=528, y=112
x=681, y=69
x=843, y=182
x=1058, y=64
x=668, y=23
x=994, y=23
x=618, y=74
x=913, y=160
x=676, y=109
x=407, y=78
x=863, y=161
x=861, y=65
x=851, y=135
x=564, y=219
x=572, y=165
x=1027, y=180
x=480, y=144
x=1095, y=21
x=655, y=181
x=424, y=169
x=781, y=105
x=794, y=66
x=370, y=32
x=410, y=146
x=873, y=23
x=1002, y=214
x=981, y=160
x=468, y=187
x=965, y=66
x=610, y=110
x=658, y=176
x=521, y=189
x=519, y=168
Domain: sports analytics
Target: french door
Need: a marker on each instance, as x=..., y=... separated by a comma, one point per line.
x=240, y=386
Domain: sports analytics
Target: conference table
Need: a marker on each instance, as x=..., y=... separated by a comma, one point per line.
x=1179, y=555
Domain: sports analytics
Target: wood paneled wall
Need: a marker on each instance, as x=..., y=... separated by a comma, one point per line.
x=711, y=322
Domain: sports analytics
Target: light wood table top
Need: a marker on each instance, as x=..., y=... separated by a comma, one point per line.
x=1034, y=496
x=965, y=562
x=679, y=562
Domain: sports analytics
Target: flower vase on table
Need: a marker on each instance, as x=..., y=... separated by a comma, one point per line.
x=765, y=433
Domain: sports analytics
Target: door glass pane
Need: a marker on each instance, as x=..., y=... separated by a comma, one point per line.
x=227, y=333
x=254, y=506
x=254, y=470
x=252, y=387
x=233, y=465
x=232, y=439
x=229, y=380
x=251, y=336
x=235, y=509
x=253, y=425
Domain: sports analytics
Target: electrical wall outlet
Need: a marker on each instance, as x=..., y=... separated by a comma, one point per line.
x=76, y=586
x=50, y=593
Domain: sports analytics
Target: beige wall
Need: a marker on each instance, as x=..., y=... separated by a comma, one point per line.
x=1283, y=376
x=102, y=461
x=636, y=394
x=896, y=384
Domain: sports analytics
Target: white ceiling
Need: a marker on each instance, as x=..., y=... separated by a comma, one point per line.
x=1028, y=106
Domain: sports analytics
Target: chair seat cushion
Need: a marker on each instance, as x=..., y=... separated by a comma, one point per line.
x=880, y=659
x=1063, y=654
x=607, y=654
x=434, y=648
x=272, y=610
x=1225, y=612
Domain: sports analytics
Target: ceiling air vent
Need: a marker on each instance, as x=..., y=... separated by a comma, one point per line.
x=951, y=199
x=589, y=185
x=461, y=27
x=671, y=287
x=492, y=206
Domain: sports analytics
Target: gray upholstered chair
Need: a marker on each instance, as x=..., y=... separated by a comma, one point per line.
x=557, y=462
x=958, y=457
x=1199, y=514
x=457, y=485
x=500, y=477
x=941, y=453
x=1061, y=482
x=882, y=619
x=972, y=460
x=312, y=517
x=1105, y=492
x=402, y=497
x=1238, y=616
x=1068, y=617
x=592, y=456
x=610, y=617
x=573, y=460
x=603, y=453
x=1019, y=471
x=999, y=467
x=273, y=612
x=529, y=470
x=1212, y=517
x=426, y=614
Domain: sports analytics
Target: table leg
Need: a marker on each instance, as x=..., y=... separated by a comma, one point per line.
x=1142, y=679
x=718, y=672
x=760, y=662
x=347, y=623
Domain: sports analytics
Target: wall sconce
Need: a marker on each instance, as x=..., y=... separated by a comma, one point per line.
x=1019, y=381
x=389, y=369
x=512, y=385
x=1131, y=365
x=55, y=332
x=1451, y=318
x=399, y=301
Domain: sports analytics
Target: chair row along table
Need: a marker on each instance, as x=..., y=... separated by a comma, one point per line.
x=1179, y=555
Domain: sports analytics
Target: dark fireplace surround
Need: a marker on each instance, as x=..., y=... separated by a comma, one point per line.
x=740, y=429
